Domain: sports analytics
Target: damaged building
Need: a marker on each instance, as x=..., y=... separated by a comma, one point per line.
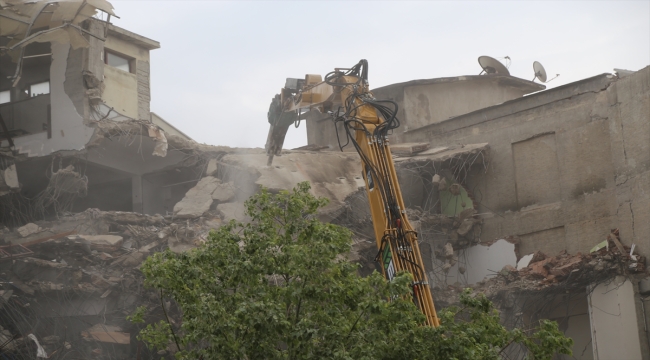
x=539, y=198
x=540, y=193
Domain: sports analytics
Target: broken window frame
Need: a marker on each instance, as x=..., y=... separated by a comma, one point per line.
x=130, y=60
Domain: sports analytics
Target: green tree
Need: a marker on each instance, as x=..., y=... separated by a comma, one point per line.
x=279, y=287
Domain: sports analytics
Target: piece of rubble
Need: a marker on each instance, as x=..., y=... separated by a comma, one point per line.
x=613, y=236
x=10, y=177
x=465, y=226
x=131, y=260
x=29, y=229
x=562, y=271
x=101, y=243
x=232, y=211
x=539, y=268
x=537, y=256
x=224, y=192
x=107, y=334
x=198, y=199
x=408, y=149
x=178, y=246
x=449, y=251
x=214, y=223
x=211, y=169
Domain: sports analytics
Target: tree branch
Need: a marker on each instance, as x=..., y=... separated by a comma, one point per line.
x=162, y=303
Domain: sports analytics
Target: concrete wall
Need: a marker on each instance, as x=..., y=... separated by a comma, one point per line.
x=424, y=102
x=137, y=97
x=121, y=91
x=567, y=165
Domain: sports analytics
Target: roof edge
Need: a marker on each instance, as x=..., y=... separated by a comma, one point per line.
x=507, y=80
x=127, y=35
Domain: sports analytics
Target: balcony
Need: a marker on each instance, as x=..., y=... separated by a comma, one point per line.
x=28, y=116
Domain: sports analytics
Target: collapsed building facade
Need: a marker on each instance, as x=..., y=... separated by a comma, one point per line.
x=537, y=198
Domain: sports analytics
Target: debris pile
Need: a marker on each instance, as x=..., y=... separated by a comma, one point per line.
x=563, y=272
x=67, y=286
x=605, y=260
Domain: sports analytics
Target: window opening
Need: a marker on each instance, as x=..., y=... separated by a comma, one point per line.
x=5, y=96
x=39, y=89
x=117, y=61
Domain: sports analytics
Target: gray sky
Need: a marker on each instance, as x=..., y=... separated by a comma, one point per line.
x=221, y=62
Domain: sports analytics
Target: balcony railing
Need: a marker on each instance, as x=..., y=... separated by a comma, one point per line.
x=29, y=116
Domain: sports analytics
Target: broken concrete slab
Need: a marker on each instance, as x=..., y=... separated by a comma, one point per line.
x=224, y=192
x=408, y=149
x=130, y=260
x=31, y=270
x=100, y=242
x=211, y=169
x=198, y=199
x=232, y=211
x=107, y=334
x=446, y=153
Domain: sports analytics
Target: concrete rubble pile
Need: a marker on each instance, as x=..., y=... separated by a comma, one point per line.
x=71, y=283
x=563, y=272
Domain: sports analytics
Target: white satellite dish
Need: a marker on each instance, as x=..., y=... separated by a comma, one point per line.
x=540, y=73
x=492, y=66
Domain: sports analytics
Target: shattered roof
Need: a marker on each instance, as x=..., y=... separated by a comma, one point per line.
x=60, y=18
x=28, y=21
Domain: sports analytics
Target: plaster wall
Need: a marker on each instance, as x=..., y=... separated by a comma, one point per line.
x=565, y=166
x=126, y=48
x=614, y=327
x=121, y=91
x=136, y=102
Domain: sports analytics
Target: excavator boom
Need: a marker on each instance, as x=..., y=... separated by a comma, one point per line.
x=345, y=95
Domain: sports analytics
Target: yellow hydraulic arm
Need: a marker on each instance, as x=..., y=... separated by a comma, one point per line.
x=345, y=95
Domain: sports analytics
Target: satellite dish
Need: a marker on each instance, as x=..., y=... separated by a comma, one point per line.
x=540, y=72
x=492, y=66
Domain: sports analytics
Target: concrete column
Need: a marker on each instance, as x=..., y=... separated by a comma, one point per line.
x=136, y=193
x=614, y=326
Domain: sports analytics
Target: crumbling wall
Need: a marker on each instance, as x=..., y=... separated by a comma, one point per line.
x=68, y=133
x=629, y=125
x=560, y=163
